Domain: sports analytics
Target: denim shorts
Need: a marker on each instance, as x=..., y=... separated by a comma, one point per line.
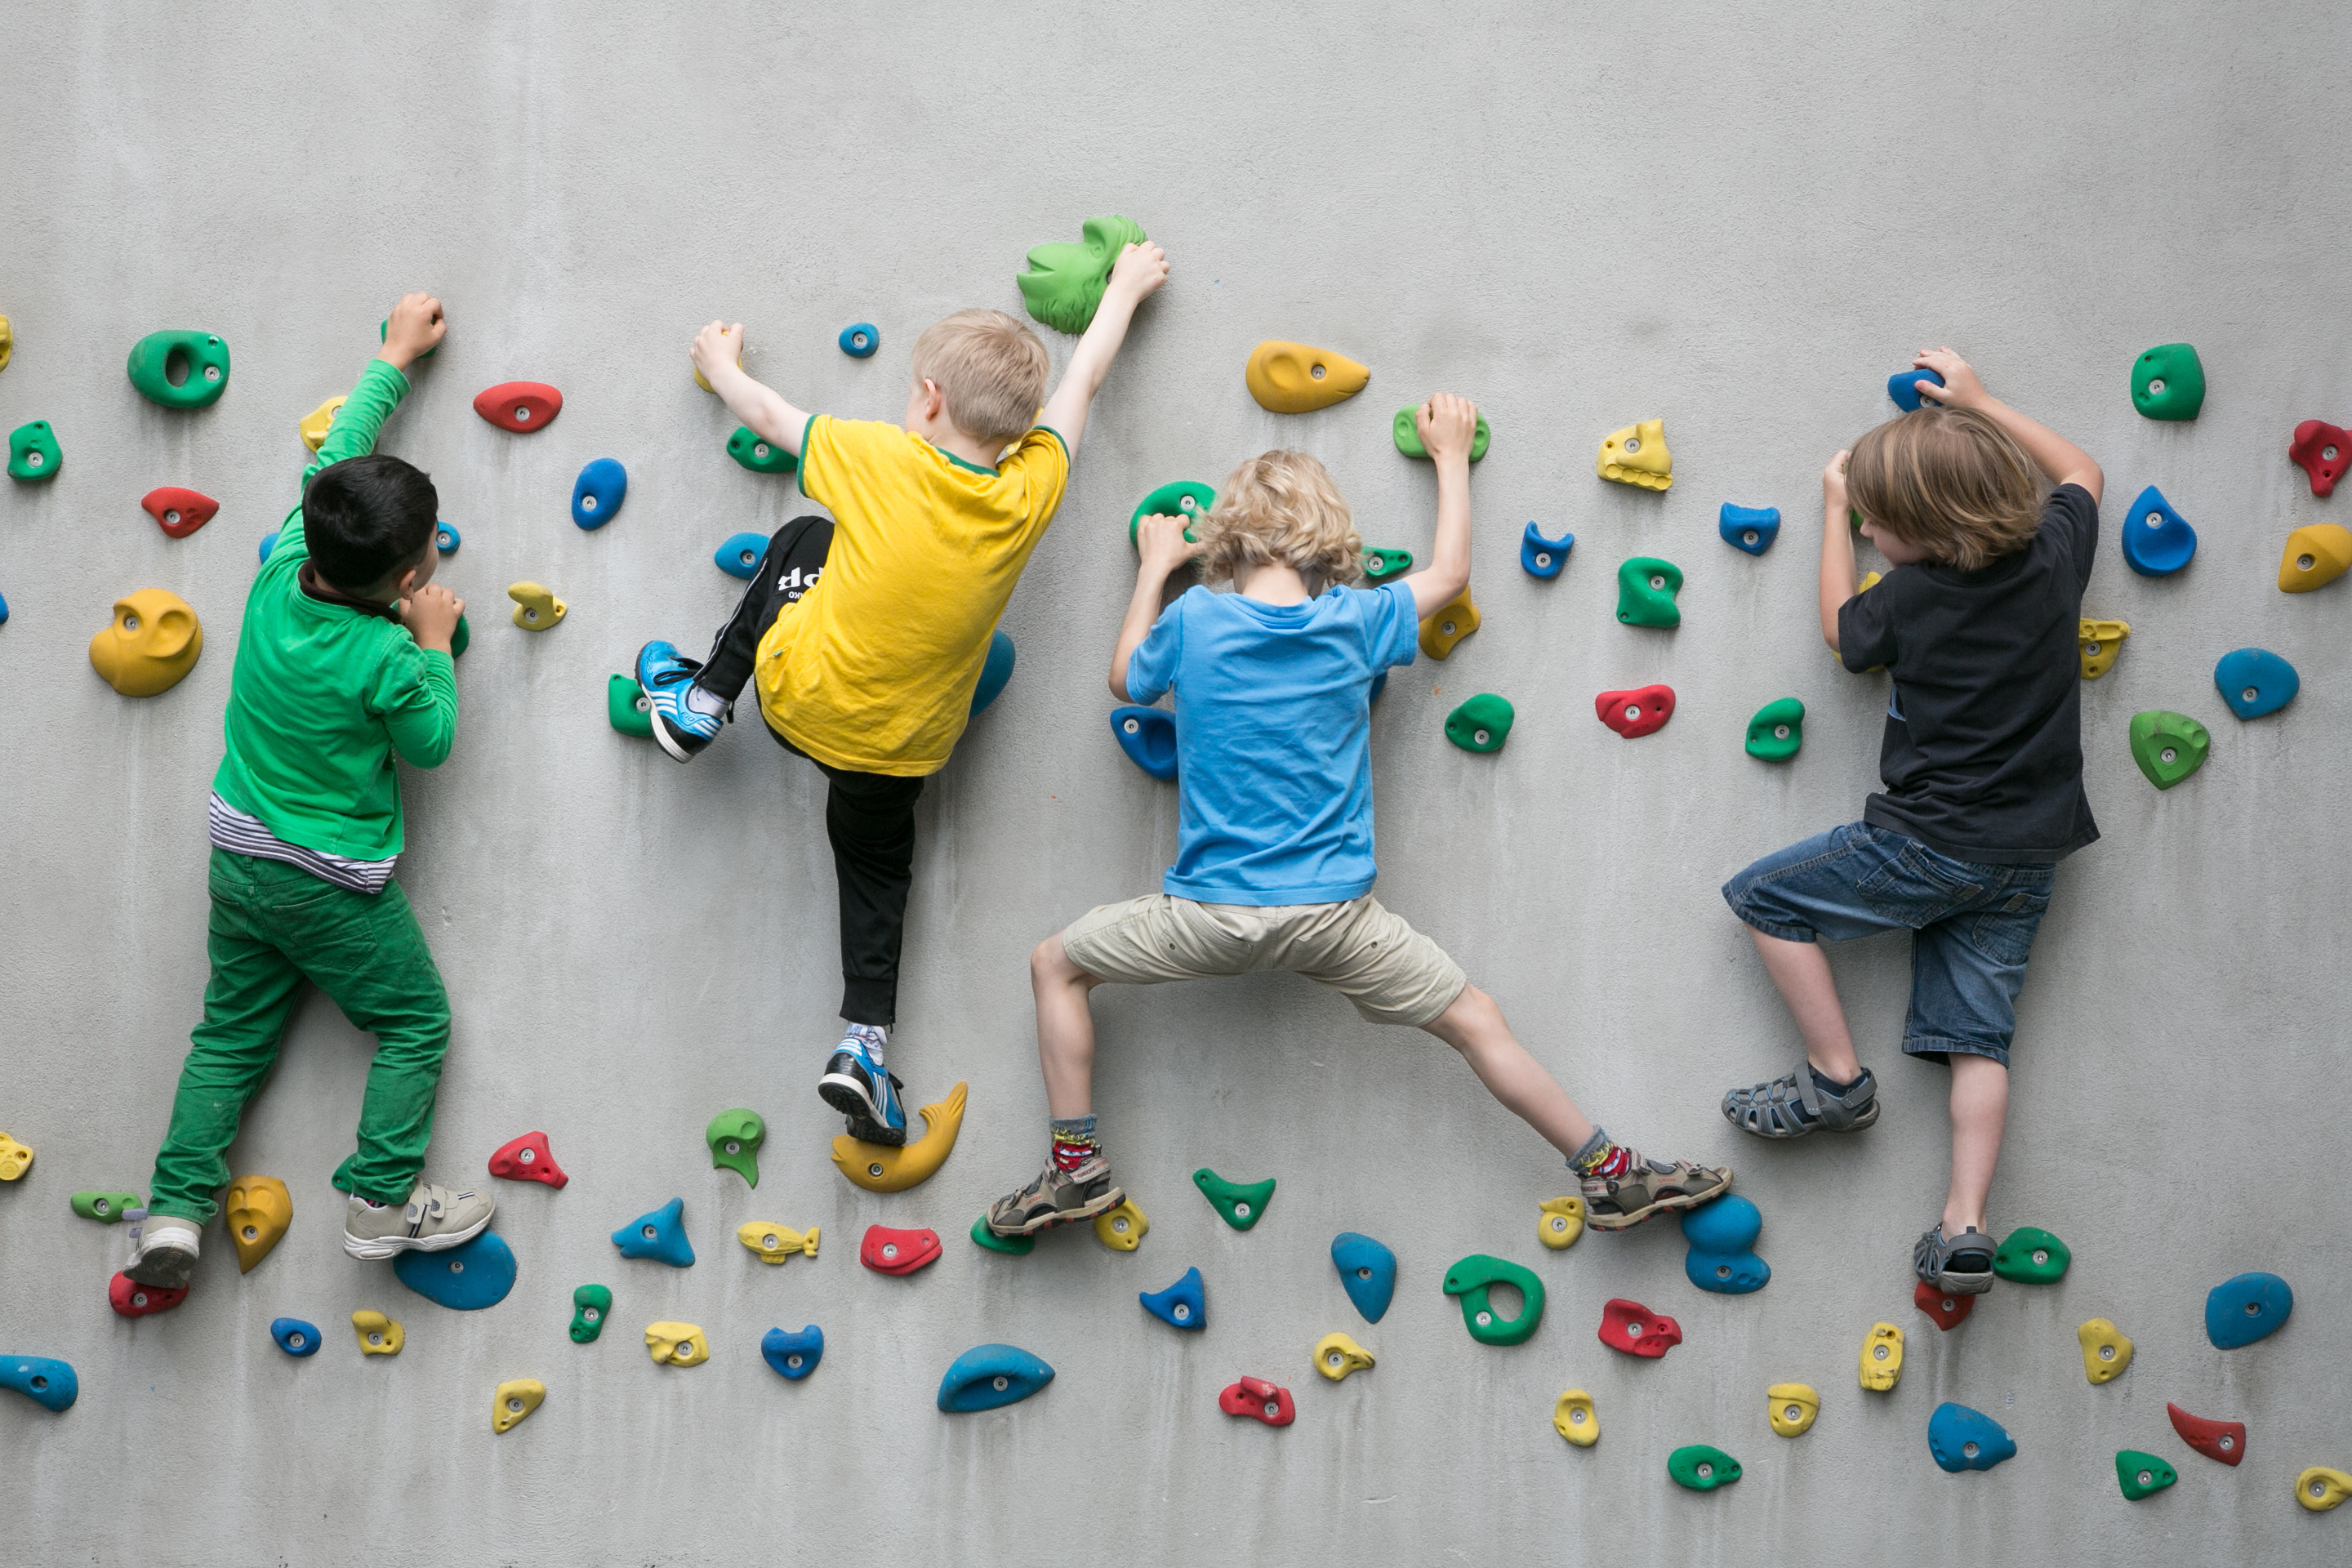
x=1971, y=925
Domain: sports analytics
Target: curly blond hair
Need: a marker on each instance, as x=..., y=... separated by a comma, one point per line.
x=1949, y=480
x=1281, y=506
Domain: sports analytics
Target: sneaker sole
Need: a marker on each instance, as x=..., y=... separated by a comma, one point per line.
x=677, y=753
x=1092, y=1208
x=1663, y=1205
x=167, y=1268
x=1866, y=1117
x=376, y=1249
x=849, y=1098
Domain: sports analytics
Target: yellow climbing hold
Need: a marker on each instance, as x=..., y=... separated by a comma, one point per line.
x=2107, y=1349
x=7, y=343
x=315, y=422
x=1575, y=1419
x=517, y=1397
x=1637, y=455
x=881, y=1168
x=1794, y=1407
x=679, y=1344
x=15, y=1158
x=1297, y=378
x=2320, y=1489
x=1559, y=1221
x=1122, y=1229
x=1336, y=1355
x=2102, y=641
x=536, y=609
x=703, y=381
x=1881, y=1357
x=2316, y=554
x=775, y=1243
x=378, y=1335
x=1448, y=625
x=260, y=1210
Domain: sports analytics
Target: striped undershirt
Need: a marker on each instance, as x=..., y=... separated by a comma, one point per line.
x=238, y=833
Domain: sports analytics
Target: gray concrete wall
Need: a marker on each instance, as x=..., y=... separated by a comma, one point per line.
x=1738, y=219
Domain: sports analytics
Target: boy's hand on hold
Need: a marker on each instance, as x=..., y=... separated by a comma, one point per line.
x=431, y=614
x=1162, y=540
x=1961, y=389
x=1833, y=481
x=1140, y=269
x=717, y=348
x=413, y=329
x=1446, y=425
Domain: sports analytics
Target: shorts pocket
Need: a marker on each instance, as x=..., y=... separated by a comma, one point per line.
x=1917, y=886
x=2006, y=929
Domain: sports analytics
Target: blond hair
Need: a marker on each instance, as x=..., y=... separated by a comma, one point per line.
x=1949, y=480
x=991, y=369
x=1281, y=506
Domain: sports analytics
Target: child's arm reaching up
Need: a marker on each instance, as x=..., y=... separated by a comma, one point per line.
x=717, y=348
x=1837, y=549
x=2064, y=462
x=1140, y=268
x=1164, y=548
x=1446, y=423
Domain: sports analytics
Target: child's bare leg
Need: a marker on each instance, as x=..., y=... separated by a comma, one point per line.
x=1474, y=1026
x=1065, y=1029
x=1980, y=1109
x=1801, y=970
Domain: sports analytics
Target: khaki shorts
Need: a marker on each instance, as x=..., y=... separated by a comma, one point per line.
x=1390, y=972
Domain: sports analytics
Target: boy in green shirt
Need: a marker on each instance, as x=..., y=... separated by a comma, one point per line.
x=343, y=661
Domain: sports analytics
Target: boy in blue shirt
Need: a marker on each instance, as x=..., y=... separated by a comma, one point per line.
x=1274, y=867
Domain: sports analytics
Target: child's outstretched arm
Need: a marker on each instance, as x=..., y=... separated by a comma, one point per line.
x=1837, y=549
x=1446, y=423
x=1141, y=269
x=2063, y=461
x=1164, y=548
x=717, y=350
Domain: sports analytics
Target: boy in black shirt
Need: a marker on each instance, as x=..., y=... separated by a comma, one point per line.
x=1983, y=761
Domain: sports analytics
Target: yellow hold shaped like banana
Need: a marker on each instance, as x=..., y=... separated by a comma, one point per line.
x=775, y=1243
x=879, y=1168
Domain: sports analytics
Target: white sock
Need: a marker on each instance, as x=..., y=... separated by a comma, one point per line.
x=703, y=701
x=876, y=1036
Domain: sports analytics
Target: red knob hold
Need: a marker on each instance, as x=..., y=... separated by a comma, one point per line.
x=1949, y=1309
x=179, y=511
x=887, y=1251
x=527, y=1159
x=2222, y=1440
x=519, y=405
x=132, y=1299
x=1641, y=712
x=1633, y=1328
x=2322, y=449
x=1260, y=1401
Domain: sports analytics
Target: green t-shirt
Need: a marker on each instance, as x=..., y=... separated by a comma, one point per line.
x=324, y=695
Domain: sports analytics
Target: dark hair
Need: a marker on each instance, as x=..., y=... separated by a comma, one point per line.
x=364, y=516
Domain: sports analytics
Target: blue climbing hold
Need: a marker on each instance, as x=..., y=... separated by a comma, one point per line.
x=465, y=1279
x=986, y=1376
x=1367, y=1272
x=742, y=554
x=2158, y=541
x=2251, y=1307
x=993, y=673
x=1965, y=1439
x=1722, y=1237
x=2255, y=681
x=294, y=1336
x=41, y=1380
x=1750, y=527
x=269, y=542
x=1544, y=557
x=598, y=492
x=660, y=1235
x=859, y=340
x=444, y=539
x=1183, y=1304
x=1148, y=736
x=794, y=1355
x=4, y=609
x=1904, y=387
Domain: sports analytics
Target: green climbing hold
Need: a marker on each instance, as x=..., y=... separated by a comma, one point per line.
x=2168, y=746
x=1187, y=499
x=1778, y=730
x=735, y=1137
x=627, y=707
x=2142, y=1475
x=1017, y=1246
x=200, y=359
x=1473, y=1277
x=1065, y=282
x=103, y=1207
x=2032, y=1256
x=33, y=453
x=590, y=1305
x=2168, y=381
x=1242, y=1203
x=1481, y=724
x=1408, y=438
x=458, y=639
x=1380, y=565
x=756, y=453
x=1646, y=587
x=1702, y=1468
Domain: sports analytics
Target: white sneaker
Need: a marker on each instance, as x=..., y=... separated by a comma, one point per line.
x=435, y=1219
x=162, y=1250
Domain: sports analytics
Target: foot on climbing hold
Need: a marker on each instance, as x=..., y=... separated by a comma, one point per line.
x=2102, y=641
x=1903, y=386
x=1948, y=1310
x=1881, y=1357
x=1473, y=1277
x=590, y=1305
x=741, y=554
x=521, y=406
x=1297, y=378
x=378, y=1335
x=527, y=1159
x=153, y=642
x=1243, y=1203
x=775, y=1243
x=1064, y=282
x=2247, y=1308
x=887, y=1251
x=1791, y=1408
x=130, y=1299
x=314, y=426
x=32, y=452
x=260, y=1210
x=598, y=492
x=1559, y=1221
x=1184, y=1304
x=1260, y=1401
x=1148, y=736
x=1408, y=435
x=1336, y=1355
x=735, y=1137
x=1187, y=499
x=2106, y=1351
x=2168, y=746
x=1641, y=712
x=1447, y=625
x=794, y=1355
x=1544, y=557
x=1776, y=732
x=465, y=1279
x=860, y=339
x=659, y=1235
x=2168, y=381
x=678, y=1344
x=1382, y=566
x=2320, y=1489
x=1722, y=1237
x=516, y=1398
x=627, y=708
x=103, y=1207
x=1702, y=1468
x=1646, y=587
x=1367, y=1272
x=294, y=1336
x=47, y=1382
x=1481, y=724
x=2255, y=681
x=1018, y=1246
x=2316, y=554
x=180, y=511
x=995, y=673
x=15, y=1159
x=179, y=369
x=2142, y=1475
x=1750, y=527
x=536, y=609
x=986, y=1376
x=2320, y=450
x=1965, y=1439
x=2222, y=1440
x=2032, y=1256
x=1637, y=455
x=757, y=452
x=888, y=1168
x=1574, y=1418
x=1122, y=1229
x=2157, y=540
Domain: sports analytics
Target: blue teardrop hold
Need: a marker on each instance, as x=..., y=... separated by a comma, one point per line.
x=2255, y=681
x=794, y=1355
x=740, y=555
x=1148, y=736
x=2158, y=541
x=465, y=1279
x=660, y=1235
x=2240, y=1310
x=445, y=539
x=1904, y=387
x=986, y=1376
x=294, y=1336
x=993, y=673
x=268, y=541
x=1544, y=557
x=1183, y=1304
x=44, y=1381
x=1955, y=1429
x=859, y=340
x=1367, y=1272
x=598, y=492
x=1750, y=527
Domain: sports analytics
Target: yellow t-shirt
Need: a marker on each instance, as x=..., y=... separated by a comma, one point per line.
x=873, y=669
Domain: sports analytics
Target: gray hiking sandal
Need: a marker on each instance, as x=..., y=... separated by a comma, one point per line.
x=1792, y=1105
x=1962, y=1266
x=1651, y=1187
x=1056, y=1197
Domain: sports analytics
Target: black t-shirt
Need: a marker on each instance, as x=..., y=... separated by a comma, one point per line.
x=1983, y=754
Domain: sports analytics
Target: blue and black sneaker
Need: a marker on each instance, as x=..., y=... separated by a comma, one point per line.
x=681, y=726
x=857, y=1084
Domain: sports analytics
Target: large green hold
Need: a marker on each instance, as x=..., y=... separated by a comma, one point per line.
x=2168, y=746
x=33, y=453
x=755, y=452
x=626, y=708
x=1473, y=1277
x=1408, y=437
x=1017, y=1246
x=2168, y=381
x=1065, y=282
x=1646, y=587
x=201, y=358
x=1701, y=1467
x=1242, y=1203
x=1778, y=730
x=1187, y=499
x=2032, y=1256
x=1382, y=565
x=1481, y=724
x=103, y=1207
x=590, y=1305
x=735, y=1137
x=2142, y=1475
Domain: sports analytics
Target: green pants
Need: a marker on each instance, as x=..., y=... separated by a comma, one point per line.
x=272, y=928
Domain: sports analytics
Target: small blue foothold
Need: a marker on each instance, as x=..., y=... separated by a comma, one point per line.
x=598, y=492
x=444, y=539
x=1183, y=1304
x=660, y=1235
x=294, y=1336
x=1148, y=736
x=859, y=340
x=1750, y=527
x=993, y=673
x=2158, y=541
x=2250, y=1307
x=466, y=1278
x=1544, y=557
x=1904, y=387
x=794, y=1355
x=1722, y=1237
x=740, y=555
x=986, y=1376
x=41, y=1380
x=2255, y=681
x=3, y=610
x=269, y=542
x=1965, y=1439
x=1367, y=1272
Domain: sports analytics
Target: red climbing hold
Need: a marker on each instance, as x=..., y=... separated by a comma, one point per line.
x=1641, y=712
x=527, y=1159
x=179, y=512
x=132, y=1299
x=2322, y=449
x=524, y=406
x=1260, y=1401
x=887, y=1251
x=2222, y=1440
x=1947, y=1309
x=1633, y=1328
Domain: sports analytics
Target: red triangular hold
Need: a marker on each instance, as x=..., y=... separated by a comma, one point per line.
x=527, y=1159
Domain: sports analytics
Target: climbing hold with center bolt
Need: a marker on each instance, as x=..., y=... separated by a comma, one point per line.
x=15, y=1159
x=179, y=511
x=757, y=452
x=7, y=342
x=1965, y=1439
x=1064, y=282
x=1481, y=724
x=314, y=426
x=2142, y=1475
x=1241, y=1204
x=1183, y=1305
x=995, y=673
x=1544, y=557
x=104, y=1207
x=2222, y=1440
x=2168, y=746
x=1641, y=712
x=794, y=1355
x=590, y=1305
x=1637, y=455
x=1722, y=1237
x=1574, y=1418
x=1903, y=386
x=519, y=405
x=1408, y=435
x=1148, y=736
x=1750, y=527
x=2168, y=381
x=179, y=369
x=1776, y=732
x=986, y=1376
x=1186, y=499
x=1336, y=1355
x=887, y=1168
x=528, y=1158
x=678, y=1344
x=48, y=1383
x=1474, y=1277
x=2320, y=1489
x=2157, y=540
x=516, y=1398
x=1448, y=625
x=2106, y=1351
x=1559, y=1221
x=466, y=1278
x=598, y=492
x=1298, y=378
x=151, y=645
x=741, y=554
x=2316, y=554
x=1701, y=1467
x=260, y=1210
x=2320, y=450
x=887, y=1251
x=1017, y=1246
x=536, y=608
x=34, y=454
x=378, y=1335
x=627, y=708
x=1260, y=1401
x=2102, y=641
x=659, y=1235
x=735, y=1137
x=1948, y=1310
x=130, y=1299
x=1791, y=1407
x=1881, y=1357
x=859, y=340
x=1380, y=565
x=1367, y=1272
x=776, y=1242
x=295, y=1336
x=2246, y=1307
x=1122, y=1229
x=1646, y=587
x=2032, y=1256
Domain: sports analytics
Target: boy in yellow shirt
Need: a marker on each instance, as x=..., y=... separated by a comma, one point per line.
x=865, y=634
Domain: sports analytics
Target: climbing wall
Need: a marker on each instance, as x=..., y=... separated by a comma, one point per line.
x=1738, y=224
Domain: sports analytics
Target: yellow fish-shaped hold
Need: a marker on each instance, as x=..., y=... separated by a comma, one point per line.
x=15, y=1158
x=679, y=1344
x=1637, y=455
x=1881, y=1357
x=536, y=608
x=1336, y=1355
x=2102, y=641
x=1449, y=624
x=378, y=1335
x=1559, y=1221
x=517, y=1397
x=1575, y=1419
x=775, y=1243
x=879, y=1168
x=2107, y=1349
x=1792, y=1408
x=1298, y=378
x=1122, y=1229
x=315, y=424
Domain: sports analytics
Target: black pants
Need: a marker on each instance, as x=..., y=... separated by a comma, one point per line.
x=868, y=817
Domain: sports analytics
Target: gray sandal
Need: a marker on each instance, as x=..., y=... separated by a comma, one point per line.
x=1934, y=1256
x=1792, y=1105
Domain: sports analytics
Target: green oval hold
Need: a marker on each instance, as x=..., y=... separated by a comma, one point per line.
x=1408, y=438
x=2032, y=1256
x=200, y=358
x=103, y=1207
x=758, y=454
x=1778, y=730
x=1473, y=1277
x=1481, y=724
x=2168, y=381
x=1016, y=1246
x=2168, y=746
x=1187, y=499
x=590, y=1305
x=34, y=455
x=1702, y=1467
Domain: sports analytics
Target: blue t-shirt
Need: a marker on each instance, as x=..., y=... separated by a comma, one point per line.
x=1274, y=766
